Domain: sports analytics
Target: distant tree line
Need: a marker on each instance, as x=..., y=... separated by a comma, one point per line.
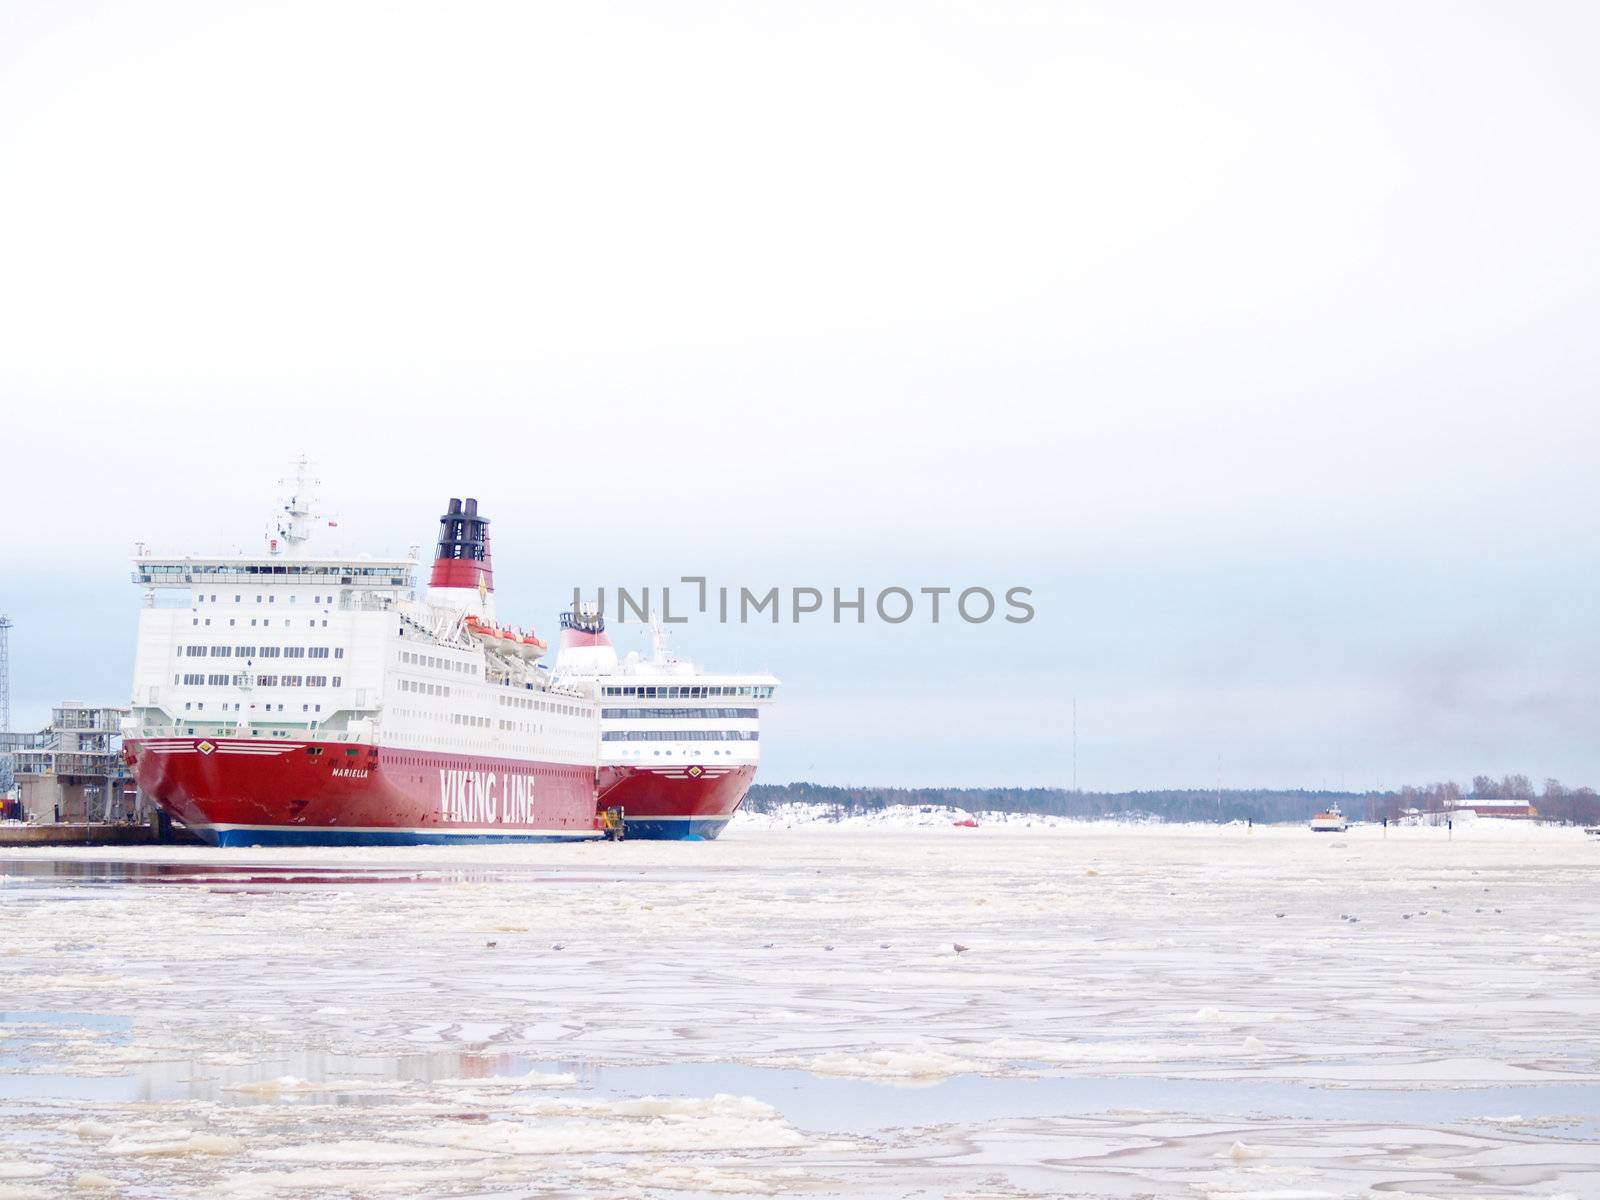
x=1265, y=805
x=1176, y=805
x=1555, y=802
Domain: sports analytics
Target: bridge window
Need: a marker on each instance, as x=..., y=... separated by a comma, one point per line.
x=687, y=714
x=680, y=735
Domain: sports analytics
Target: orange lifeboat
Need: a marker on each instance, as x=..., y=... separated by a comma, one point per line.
x=526, y=646
x=487, y=634
x=505, y=641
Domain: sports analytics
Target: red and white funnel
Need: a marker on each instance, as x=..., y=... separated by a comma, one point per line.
x=585, y=646
x=463, y=572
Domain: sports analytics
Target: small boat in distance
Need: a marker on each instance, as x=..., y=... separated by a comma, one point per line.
x=1329, y=820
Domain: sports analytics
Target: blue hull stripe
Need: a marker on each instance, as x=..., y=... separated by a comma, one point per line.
x=370, y=837
x=695, y=829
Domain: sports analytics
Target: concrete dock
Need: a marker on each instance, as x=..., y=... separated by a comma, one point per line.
x=16, y=833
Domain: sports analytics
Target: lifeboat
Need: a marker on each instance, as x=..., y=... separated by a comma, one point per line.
x=492, y=638
x=505, y=641
x=530, y=647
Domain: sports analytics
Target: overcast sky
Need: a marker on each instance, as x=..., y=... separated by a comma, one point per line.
x=1258, y=339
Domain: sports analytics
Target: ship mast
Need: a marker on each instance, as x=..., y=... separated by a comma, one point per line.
x=291, y=525
x=660, y=652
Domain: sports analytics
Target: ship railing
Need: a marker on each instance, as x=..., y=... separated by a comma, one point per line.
x=230, y=729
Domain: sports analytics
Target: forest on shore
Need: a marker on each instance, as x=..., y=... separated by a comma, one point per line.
x=1553, y=801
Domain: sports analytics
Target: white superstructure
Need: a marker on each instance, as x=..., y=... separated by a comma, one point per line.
x=287, y=645
x=663, y=711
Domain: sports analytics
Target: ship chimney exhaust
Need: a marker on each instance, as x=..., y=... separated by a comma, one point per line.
x=463, y=570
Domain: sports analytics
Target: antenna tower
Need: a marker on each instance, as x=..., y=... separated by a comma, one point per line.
x=5, y=705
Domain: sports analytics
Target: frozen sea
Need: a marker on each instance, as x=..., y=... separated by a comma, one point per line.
x=883, y=1009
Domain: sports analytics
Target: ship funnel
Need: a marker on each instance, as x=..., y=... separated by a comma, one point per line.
x=463, y=570
x=585, y=646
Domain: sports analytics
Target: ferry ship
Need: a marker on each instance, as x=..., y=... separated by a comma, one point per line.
x=1330, y=820
x=678, y=747
x=283, y=698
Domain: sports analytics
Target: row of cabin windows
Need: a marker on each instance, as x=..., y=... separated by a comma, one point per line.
x=200, y=706
x=425, y=689
x=670, y=753
x=532, y=705
x=347, y=573
x=687, y=714
x=260, y=651
x=573, y=741
x=259, y=680
x=265, y=621
x=549, y=740
x=693, y=691
x=270, y=599
x=680, y=735
x=437, y=663
x=526, y=727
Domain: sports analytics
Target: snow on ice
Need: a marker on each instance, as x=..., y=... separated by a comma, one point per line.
x=1137, y=1009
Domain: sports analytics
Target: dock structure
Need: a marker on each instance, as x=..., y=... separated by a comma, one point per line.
x=6, y=781
x=94, y=833
x=72, y=771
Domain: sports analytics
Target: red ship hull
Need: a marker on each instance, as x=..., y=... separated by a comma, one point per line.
x=674, y=803
x=255, y=792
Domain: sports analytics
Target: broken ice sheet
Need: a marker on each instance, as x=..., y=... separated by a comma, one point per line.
x=279, y=1031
